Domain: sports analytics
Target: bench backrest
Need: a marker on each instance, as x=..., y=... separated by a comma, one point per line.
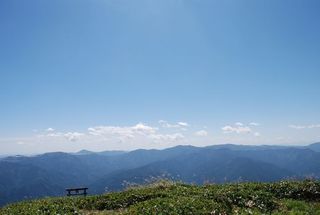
x=76, y=191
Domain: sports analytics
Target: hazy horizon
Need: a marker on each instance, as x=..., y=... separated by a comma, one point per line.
x=150, y=148
x=122, y=75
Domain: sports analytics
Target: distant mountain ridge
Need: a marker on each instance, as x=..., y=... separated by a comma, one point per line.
x=314, y=147
x=24, y=177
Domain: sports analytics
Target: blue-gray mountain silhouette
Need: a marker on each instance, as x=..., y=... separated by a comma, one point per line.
x=49, y=174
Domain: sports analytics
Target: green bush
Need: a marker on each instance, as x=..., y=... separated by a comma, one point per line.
x=306, y=190
x=287, y=197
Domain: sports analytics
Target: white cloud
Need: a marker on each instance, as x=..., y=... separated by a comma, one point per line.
x=314, y=126
x=50, y=130
x=139, y=135
x=167, y=137
x=257, y=134
x=239, y=124
x=144, y=129
x=201, y=133
x=237, y=129
x=128, y=132
x=254, y=124
x=134, y=132
x=56, y=134
x=241, y=128
x=181, y=125
x=73, y=136
x=298, y=127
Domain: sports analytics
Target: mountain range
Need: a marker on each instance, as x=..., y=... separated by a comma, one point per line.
x=29, y=177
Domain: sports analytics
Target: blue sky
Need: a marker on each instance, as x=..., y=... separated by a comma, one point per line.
x=121, y=66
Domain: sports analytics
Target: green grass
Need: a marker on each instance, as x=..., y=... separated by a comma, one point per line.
x=164, y=197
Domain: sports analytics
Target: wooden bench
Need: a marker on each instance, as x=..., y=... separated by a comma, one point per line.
x=77, y=191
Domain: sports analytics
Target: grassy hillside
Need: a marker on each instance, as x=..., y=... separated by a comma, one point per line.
x=34, y=177
x=163, y=197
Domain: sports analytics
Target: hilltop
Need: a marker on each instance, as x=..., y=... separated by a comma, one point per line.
x=165, y=197
x=34, y=177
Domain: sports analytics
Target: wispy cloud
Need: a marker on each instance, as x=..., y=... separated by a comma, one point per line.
x=238, y=124
x=201, y=133
x=126, y=131
x=181, y=125
x=236, y=129
x=139, y=130
x=167, y=137
x=241, y=128
x=73, y=136
x=50, y=130
x=298, y=127
x=257, y=134
x=53, y=134
x=254, y=124
x=135, y=134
